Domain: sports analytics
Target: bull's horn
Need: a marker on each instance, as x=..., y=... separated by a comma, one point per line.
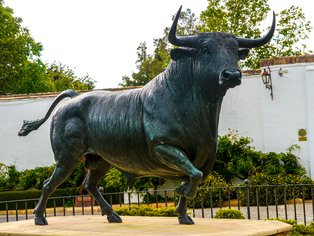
x=253, y=43
x=187, y=41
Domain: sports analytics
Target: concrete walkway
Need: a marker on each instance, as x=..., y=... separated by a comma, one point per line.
x=132, y=225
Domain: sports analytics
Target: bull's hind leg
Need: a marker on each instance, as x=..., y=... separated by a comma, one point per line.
x=90, y=183
x=68, y=144
x=60, y=173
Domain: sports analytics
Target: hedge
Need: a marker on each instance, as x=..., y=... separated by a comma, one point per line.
x=33, y=195
x=146, y=211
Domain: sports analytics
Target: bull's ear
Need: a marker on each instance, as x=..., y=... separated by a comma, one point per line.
x=242, y=53
x=180, y=53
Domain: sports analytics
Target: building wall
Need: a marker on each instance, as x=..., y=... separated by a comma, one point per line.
x=24, y=152
x=272, y=124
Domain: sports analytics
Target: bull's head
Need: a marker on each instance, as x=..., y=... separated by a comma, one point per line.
x=216, y=55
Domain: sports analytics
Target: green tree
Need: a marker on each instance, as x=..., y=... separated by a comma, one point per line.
x=147, y=65
x=62, y=77
x=21, y=70
x=243, y=18
x=237, y=158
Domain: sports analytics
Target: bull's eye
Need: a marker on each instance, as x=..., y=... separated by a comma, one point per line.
x=243, y=53
x=205, y=49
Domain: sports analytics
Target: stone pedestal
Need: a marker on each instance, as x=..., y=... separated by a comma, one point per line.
x=133, y=225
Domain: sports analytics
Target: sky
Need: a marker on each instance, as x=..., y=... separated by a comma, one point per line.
x=100, y=37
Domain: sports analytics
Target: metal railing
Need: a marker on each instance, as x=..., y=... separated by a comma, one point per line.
x=294, y=202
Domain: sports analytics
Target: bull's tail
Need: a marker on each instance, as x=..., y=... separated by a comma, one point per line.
x=29, y=126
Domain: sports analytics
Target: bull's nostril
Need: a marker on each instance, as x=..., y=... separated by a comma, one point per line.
x=230, y=75
x=225, y=75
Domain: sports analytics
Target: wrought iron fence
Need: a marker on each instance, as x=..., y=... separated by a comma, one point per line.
x=256, y=202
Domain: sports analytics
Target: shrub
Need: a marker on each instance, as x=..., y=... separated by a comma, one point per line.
x=229, y=213
x=236, y=158
x=32, y=195
x=290, y=222
x=146, y=211
x=206, y=192
x=298, y=230
x=261, y=184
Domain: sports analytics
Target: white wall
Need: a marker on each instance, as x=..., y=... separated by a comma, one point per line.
x=272, y=124
x=32, y=150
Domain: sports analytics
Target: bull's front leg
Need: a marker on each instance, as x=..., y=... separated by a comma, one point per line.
x=177, y=160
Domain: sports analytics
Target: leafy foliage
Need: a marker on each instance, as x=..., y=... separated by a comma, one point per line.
x=21, y=69
x=301, y=229
x=242, y=18
x=61, y=77
x=298, y=229
x=114, y=181
x=229, y=213
x=211, y=189
x=236, y=158
x=149, y=66
x=33, y=194
x=146, y=211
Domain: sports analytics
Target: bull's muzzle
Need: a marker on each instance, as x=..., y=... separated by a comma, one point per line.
x=230, y=77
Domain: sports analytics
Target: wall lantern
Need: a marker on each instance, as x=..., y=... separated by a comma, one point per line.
x=281, y=72
x=266, y=77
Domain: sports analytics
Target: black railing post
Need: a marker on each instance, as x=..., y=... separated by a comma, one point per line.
x=166, y=198
x=312, y=195
x=303, y=202
x=73, y=206
x=129, y=198
x=92, y=204
x=285, y=201
x=110, y=198
x=202, y=205
x=120, y=200
x=54, y=207
x=257, y=204
x=16, y=211
x=7, y=211
x=220, y=199
x=294, y=204
x=211, y=203
x=238, y=197
x=276, y=203
x=246, y=182
x=229, y=204
x=82, y=197
x=266, y=201
x=26, y=213
x=63, y=206
x=147, y=198
x=156, y=198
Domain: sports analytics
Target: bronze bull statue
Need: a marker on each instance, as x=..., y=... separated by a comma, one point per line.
x=168, y=128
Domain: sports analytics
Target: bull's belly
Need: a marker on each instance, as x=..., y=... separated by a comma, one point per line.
x=142, y=165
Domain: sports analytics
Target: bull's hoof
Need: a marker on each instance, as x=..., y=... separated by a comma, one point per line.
x=40, y=220
x=114, y=218
x=185, y=220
